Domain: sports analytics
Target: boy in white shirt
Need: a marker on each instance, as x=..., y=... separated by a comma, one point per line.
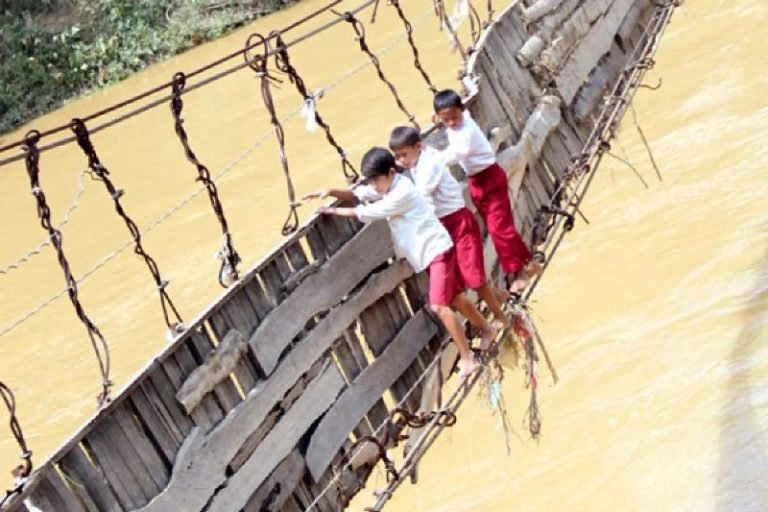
x=416, y=233
x=488, y=188
x=436, y=183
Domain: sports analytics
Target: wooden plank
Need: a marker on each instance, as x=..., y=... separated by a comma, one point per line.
x=151, y=460
x=107, y=449
x=600, y=80
x=226, y=392
x=53, y=494
x=569, y=37
x=539, y=9
x=370, y=385
x=239, y=314
x=596, y=43
x=320, y=291
x=176, y=424
x=216, y=369
x=276, y=490
x=178, y=367
x=379, y=412
x=536, y=43
x=377, y=327
x=209, y=471
x=191, y=488
x=95, y=487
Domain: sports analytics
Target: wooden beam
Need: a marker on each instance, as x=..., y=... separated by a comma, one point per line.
x=367, y=388
x=320, y=291
x=279, y=486
x=595, y=44
x=536, y=43
x=539, y=9
x=570, y=35
x=315, y=400
x=205, y=377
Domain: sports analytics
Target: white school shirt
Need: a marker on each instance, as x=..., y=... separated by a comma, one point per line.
x=436, y=183
x=468, y=147
x=416, y=233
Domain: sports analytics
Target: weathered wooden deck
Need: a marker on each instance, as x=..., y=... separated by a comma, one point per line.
x=253, y=406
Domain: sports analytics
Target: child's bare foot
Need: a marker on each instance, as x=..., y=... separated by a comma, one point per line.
x=520, y=282
x=502, y=295
x=467, y=365
x=533, y=268
x=489, y=335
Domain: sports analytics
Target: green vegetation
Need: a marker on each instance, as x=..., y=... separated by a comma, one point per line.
x=54, y=50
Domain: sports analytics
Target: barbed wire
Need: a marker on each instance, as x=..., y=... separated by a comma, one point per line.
x=47, y=242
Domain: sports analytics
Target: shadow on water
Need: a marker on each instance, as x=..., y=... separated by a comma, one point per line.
x=743, y=442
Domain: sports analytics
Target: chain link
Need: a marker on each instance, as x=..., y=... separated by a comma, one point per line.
x=229, y=257
x=99, y=344
x=359, y=29
x=283, y=63
x=414, y=49
x=101, y=173
x=258, y=63
x=22, y=471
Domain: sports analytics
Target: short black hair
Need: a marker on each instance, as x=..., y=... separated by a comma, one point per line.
x=377, y=162
x=404, y=136
x=447, y=98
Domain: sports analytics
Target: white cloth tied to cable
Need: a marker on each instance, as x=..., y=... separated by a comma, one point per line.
x=460, y=13
x=308, y=111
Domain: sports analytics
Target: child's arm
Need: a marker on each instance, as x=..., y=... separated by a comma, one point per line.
x=428, y=177
x=340, y=211
x=344, y=194
x=457, y=150
x=389, y=206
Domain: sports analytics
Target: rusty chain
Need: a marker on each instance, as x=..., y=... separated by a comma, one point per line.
x=414, y=49
x=229, y=257
x=283, y=63
x=359, y=29
x=22, y=471
x=258, y=63
x=101, y=173
x=32, y=159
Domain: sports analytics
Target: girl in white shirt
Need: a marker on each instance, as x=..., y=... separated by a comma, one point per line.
x=488, y=188
x=417, y=235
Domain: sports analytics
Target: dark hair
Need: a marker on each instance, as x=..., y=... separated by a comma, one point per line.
x=447, y=99
x=404, y=136
x=377, y=162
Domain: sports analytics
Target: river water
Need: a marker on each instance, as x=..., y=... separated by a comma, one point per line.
x=654, y=313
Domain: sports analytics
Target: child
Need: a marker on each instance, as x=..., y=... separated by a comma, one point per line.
x=488, y=186
x=416, y=233
x=435, y=182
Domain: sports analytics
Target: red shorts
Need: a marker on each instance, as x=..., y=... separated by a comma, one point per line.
x=489, y=191
x=444, y=280
x=468, y=243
